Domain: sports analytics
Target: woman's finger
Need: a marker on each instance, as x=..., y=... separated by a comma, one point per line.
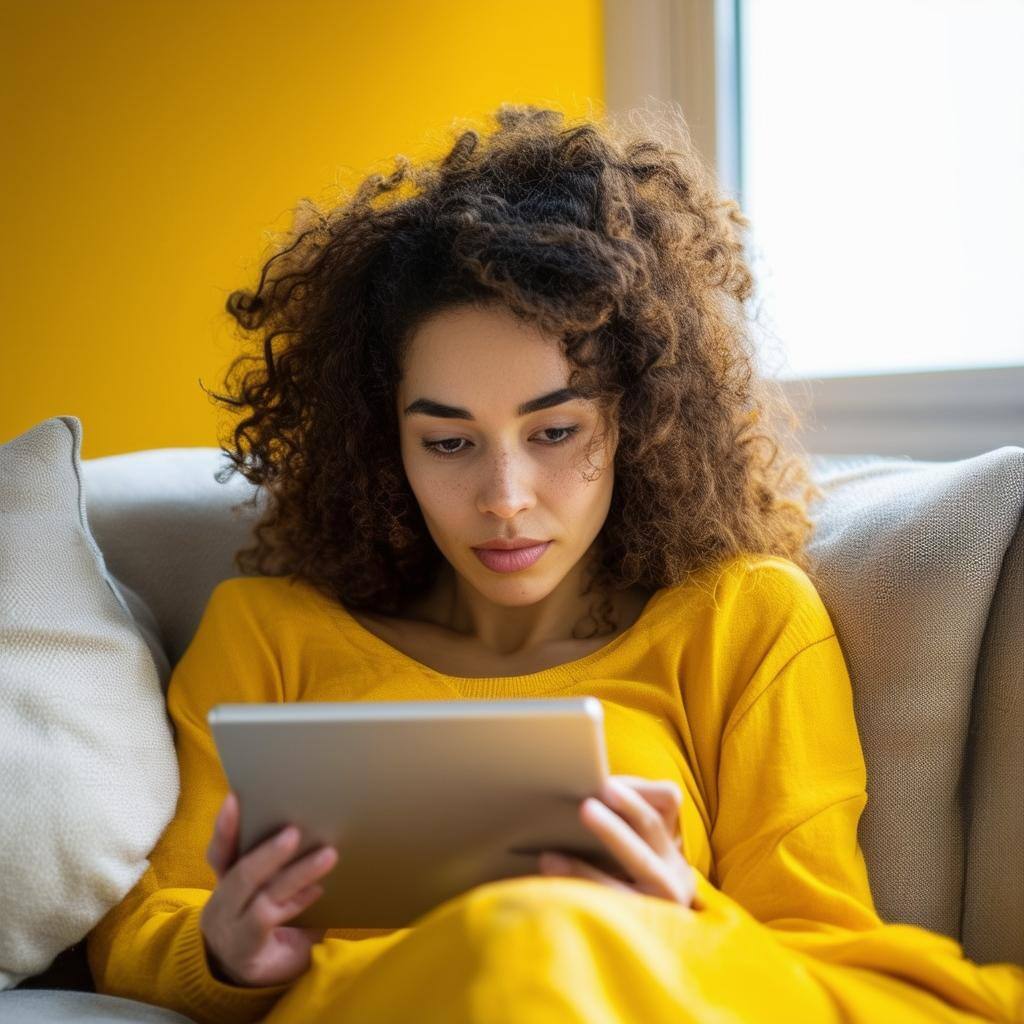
x=664, y=794
x=676, y=879
x=298, y=875
x=660, y=789
x=252, y=871
x=222, y=850
x=264, y=913
x=646, y=821
x=636, y=855
x=559, y=865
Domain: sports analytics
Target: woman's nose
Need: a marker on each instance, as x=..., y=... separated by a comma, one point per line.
x=508, y=487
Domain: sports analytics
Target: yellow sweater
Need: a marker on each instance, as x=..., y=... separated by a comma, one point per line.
x=733, y=684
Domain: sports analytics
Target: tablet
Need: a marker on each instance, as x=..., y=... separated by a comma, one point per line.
x=422, y=799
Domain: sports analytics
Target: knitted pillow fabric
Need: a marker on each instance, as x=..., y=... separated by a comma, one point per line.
x=88, y=772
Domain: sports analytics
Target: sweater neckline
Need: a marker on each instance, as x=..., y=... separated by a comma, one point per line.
x=545, y=680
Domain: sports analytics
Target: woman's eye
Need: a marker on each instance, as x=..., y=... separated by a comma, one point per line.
x=435, y=447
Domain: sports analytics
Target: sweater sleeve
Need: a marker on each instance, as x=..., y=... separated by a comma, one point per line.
x=792, y=788
x=150, y=946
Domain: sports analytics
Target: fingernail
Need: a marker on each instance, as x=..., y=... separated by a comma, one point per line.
x=287, y=836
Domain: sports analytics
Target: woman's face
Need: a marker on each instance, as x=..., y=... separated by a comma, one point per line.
x=509, y=472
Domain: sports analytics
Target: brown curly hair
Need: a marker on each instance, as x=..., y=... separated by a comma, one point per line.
x=614, y=237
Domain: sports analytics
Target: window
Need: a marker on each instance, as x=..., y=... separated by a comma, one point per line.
x=882, y=166
x=878, y=149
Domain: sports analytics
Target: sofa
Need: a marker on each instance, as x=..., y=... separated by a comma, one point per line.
x=106, y=565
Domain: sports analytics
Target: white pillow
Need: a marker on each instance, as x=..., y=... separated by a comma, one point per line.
x=88, y=772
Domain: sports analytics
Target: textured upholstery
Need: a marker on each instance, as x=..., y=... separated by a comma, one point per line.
x=992, y=923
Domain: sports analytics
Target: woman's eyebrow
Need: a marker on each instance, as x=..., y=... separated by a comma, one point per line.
x=428, y=407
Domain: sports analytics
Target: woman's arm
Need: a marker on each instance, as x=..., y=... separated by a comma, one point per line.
x=792, y=787
x=791, y=790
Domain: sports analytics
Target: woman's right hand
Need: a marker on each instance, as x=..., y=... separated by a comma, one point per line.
x=255, y=894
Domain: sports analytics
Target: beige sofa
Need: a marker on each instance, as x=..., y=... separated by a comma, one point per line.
x=921, y=565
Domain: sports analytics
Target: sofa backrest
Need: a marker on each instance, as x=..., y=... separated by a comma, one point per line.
x=921, y=569
x=919, y=564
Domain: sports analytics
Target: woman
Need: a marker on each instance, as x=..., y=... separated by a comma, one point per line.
x=540, y=342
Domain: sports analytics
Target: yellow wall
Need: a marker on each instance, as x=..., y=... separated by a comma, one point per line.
x=151, y=147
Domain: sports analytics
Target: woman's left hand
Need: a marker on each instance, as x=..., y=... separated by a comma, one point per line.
x=638, y=820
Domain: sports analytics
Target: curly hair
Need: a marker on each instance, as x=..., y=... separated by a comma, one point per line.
x=612, y=236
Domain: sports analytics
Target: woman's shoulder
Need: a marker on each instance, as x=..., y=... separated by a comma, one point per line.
x=757, y=592
x=736, y=626
x=233, y=654
x=263, y=592
x=268, y=610
x=775, y=576
x=748, y=572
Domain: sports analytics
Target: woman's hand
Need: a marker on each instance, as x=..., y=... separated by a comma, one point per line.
x=255, y=895
x=638, y=820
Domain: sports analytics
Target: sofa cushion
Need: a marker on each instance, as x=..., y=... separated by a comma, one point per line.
x=909, y=558
x=88, y=773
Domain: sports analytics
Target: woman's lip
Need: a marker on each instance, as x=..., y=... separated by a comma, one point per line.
x=511, y=561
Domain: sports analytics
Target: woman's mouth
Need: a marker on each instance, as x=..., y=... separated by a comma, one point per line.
x=511, y=561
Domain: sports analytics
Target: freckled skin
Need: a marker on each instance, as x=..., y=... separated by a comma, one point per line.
x=507, y=476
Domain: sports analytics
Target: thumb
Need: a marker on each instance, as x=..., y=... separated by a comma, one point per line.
x=223, y=848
